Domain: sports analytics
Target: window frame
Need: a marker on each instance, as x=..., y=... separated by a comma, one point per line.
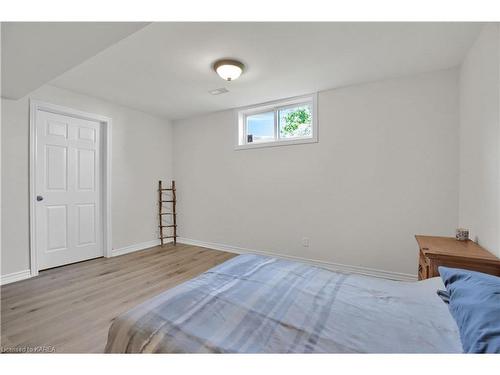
x=275, y=107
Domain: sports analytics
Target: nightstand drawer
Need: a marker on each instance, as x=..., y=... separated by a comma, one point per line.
x=423, y=267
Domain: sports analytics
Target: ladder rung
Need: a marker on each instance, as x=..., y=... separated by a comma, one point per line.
x=167, y=237
x=168, y=226
x=166, y=189
x=166, y=201
x=167, y=213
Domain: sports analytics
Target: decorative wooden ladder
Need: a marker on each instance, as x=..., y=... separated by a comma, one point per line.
x=172, y=214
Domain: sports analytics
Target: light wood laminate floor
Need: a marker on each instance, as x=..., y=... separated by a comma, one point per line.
x=70, y=308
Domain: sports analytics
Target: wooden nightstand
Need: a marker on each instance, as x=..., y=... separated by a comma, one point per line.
x=449, y=252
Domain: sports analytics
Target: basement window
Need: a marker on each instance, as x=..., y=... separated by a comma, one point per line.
x=284, y=122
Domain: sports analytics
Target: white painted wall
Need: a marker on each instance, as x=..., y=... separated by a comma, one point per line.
x=385, y=168
x=141, y=154
x=480, y=140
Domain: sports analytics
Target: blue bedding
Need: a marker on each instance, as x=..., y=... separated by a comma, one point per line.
x=475, y=304
x=256, y=304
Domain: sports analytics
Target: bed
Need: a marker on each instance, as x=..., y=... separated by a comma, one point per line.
x=257, y=304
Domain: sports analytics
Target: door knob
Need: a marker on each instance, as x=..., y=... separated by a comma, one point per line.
x=39, y=198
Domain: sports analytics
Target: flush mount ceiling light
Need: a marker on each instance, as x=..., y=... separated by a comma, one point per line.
x=229, y=69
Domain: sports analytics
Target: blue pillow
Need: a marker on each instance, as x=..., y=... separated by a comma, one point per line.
x=475, y=306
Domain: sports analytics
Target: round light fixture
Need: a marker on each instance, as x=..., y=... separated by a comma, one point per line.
x=228, y=70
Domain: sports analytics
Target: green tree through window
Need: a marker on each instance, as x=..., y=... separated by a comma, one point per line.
x=295, y=122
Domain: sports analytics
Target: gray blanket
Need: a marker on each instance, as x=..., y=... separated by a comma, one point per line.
x=255, y=304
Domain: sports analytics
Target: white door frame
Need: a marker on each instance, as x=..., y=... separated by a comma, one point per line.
x=105, y=122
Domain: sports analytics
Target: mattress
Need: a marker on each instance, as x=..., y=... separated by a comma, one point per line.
x=256, y=304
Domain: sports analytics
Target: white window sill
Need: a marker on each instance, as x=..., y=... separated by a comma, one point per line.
x=248, y=146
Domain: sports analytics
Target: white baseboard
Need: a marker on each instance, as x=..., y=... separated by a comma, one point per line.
x=135, y=247
x=15, y=276
x=320, y=263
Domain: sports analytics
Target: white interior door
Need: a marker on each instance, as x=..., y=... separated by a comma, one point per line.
x=67, y=184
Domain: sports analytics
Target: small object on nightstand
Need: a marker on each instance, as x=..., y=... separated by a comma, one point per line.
x=448, y=252
x=462, y=234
